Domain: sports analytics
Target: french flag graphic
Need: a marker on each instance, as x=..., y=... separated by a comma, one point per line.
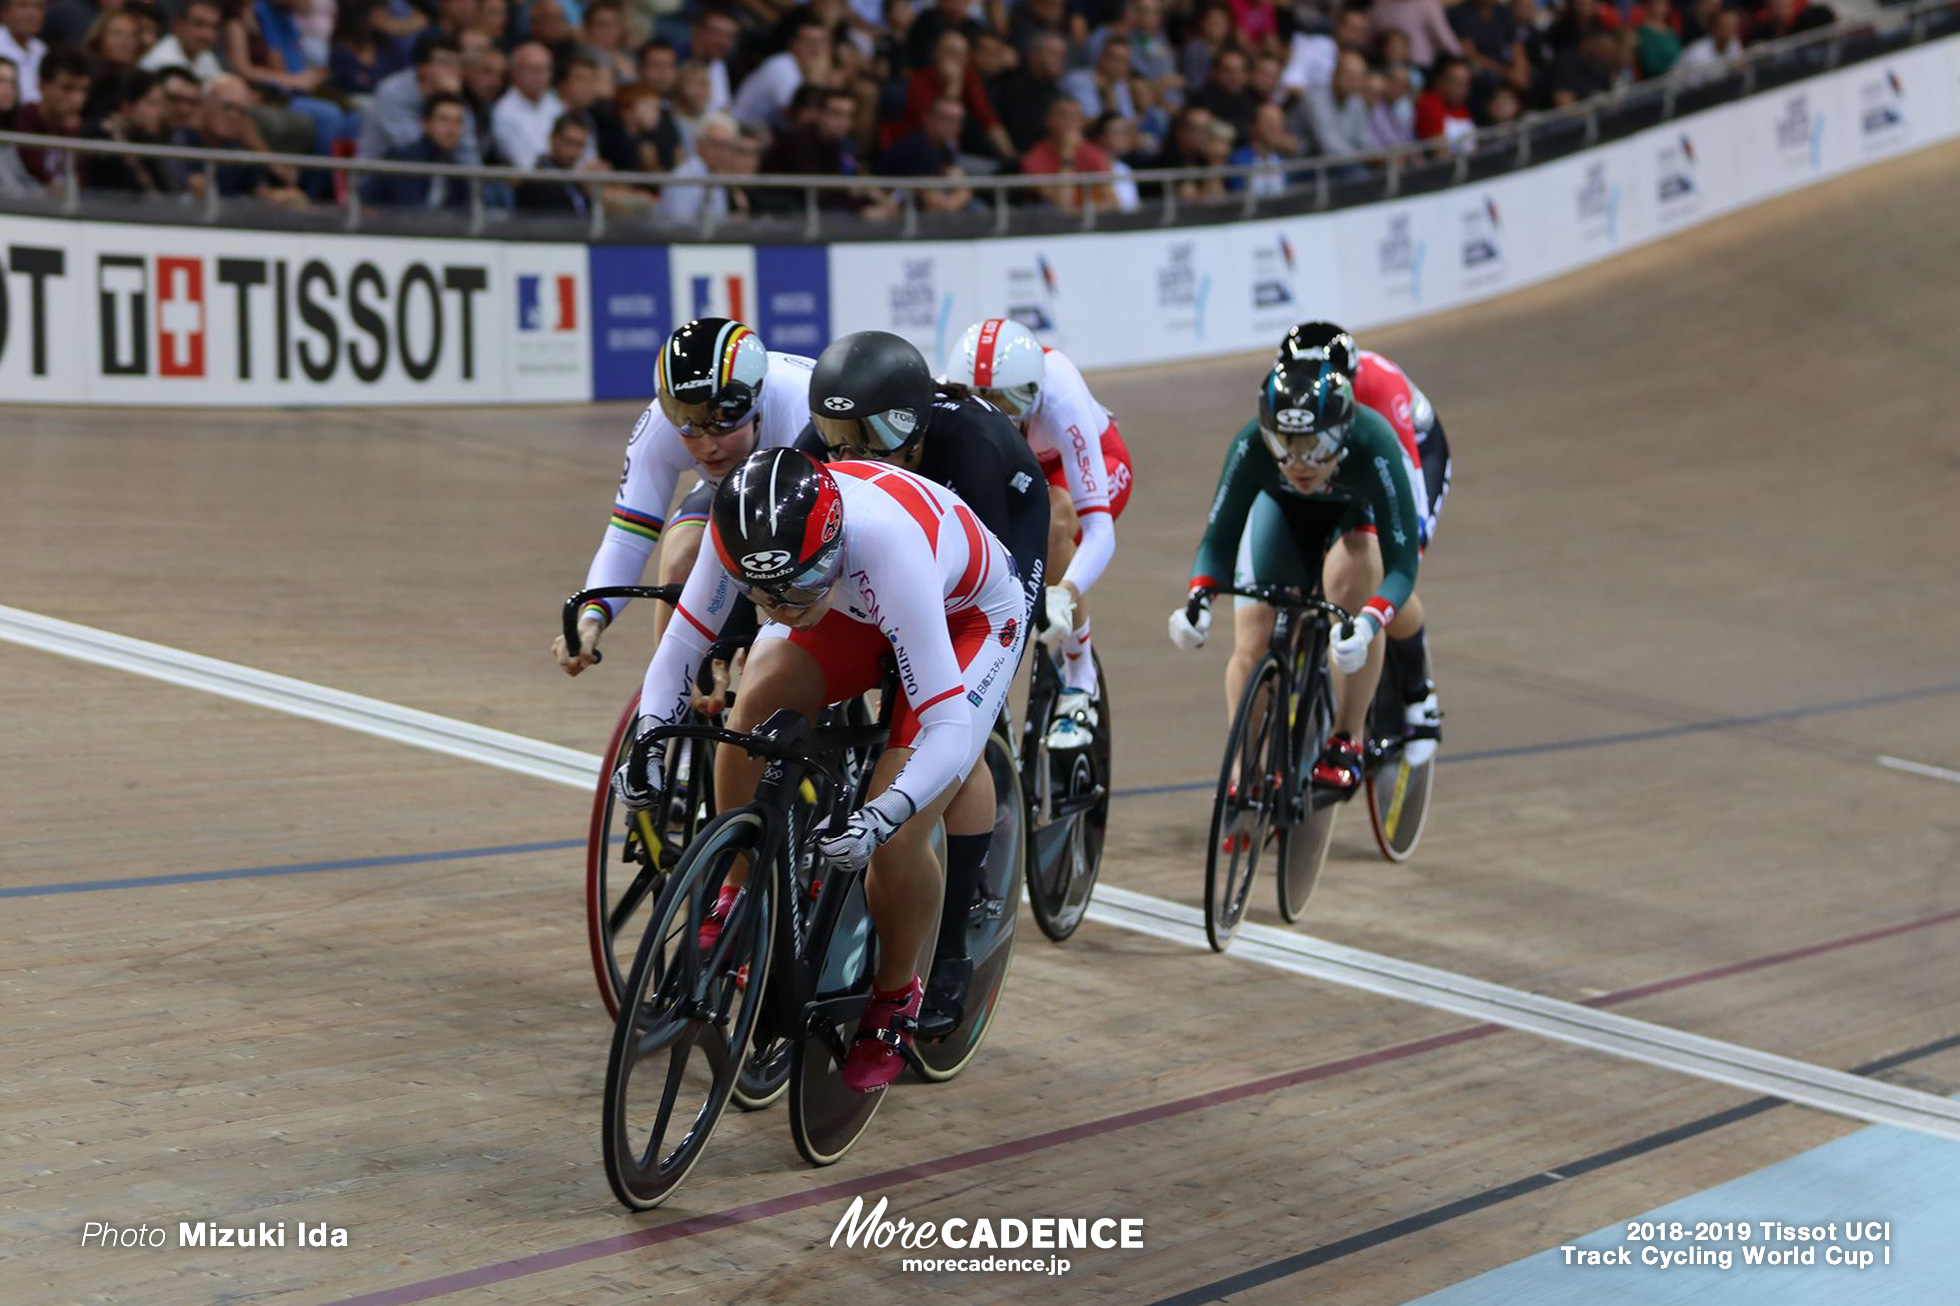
x=547, y=303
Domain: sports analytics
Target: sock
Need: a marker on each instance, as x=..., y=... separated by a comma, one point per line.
x=1409, y=661
x=897, y=995
x=966, y=858
x=1078, y=664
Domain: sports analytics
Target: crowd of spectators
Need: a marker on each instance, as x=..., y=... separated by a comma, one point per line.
x=712, y=90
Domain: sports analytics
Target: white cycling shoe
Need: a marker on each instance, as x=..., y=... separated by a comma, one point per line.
x=1074, y=723
x=1424, y=723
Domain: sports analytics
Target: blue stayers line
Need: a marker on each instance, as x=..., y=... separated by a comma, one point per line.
x=296, y=868
x=1141, y=791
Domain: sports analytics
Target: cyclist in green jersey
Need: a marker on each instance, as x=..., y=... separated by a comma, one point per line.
x=1314, y=475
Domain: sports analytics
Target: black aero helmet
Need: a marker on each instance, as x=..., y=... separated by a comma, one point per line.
x=709, y=375
x=778, y=526
x=1320, y=342
x=870, y=395
x=1305, y=412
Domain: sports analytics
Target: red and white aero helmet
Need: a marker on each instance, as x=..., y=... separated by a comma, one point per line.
x=1002, y=360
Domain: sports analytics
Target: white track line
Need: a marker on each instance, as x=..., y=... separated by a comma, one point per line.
x=1920, y=768
x=1656, y=1045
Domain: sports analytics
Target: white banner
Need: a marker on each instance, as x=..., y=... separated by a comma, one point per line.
x=925, y=291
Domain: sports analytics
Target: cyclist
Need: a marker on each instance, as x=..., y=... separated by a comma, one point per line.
x=1384, y=387
x=718, y=396
x=1318, y=476
x=965, y=444
x=850, y=564
x=1088, y=472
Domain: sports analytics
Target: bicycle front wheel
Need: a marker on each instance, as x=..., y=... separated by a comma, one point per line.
x=1242, y=810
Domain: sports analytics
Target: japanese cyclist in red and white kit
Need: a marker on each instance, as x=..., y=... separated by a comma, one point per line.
x=1088, y=470
x=850, y=565
x=718, y=397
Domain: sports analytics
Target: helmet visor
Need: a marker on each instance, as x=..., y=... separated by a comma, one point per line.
x=878, y=436
x=1314, y=448
x=800, y=589
x=1017, y=401
x=706, y=418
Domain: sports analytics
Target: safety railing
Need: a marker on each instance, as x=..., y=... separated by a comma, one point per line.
x=1306, y=184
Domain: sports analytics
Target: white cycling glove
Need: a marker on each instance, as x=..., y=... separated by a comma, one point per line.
x=865, y=832
x=1188, y=634
x=1061, y=616
x=638, y=798
x=1351, y=654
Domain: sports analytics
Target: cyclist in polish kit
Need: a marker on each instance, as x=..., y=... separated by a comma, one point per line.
x=851, y=565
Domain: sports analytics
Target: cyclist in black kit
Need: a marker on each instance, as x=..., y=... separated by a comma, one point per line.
x=864, y=394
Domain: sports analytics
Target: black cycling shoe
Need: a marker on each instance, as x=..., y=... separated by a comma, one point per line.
x=945, y=996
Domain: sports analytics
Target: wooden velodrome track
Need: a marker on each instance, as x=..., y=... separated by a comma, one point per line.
x=1695, y=577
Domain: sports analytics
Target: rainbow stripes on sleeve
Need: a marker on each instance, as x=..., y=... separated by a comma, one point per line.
x=635, y=523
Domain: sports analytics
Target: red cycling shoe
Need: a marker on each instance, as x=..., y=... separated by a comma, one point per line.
x=1339, y=766
x=889, y=1022
x=717, y=917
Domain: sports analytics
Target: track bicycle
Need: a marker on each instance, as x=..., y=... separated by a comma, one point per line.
x=1067, y=797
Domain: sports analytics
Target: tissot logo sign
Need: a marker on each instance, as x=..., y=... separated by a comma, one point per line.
x=310, y=320
x=30, y=277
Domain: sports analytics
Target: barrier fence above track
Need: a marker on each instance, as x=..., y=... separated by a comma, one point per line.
x=1012, y=202
x=168, y=311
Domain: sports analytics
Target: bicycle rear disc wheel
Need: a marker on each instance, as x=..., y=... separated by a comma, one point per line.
x=1242, y=809
x=685, y=1021
x=1064, y=857
x=1303, y=845
x=825, y=1117
x=990, y=924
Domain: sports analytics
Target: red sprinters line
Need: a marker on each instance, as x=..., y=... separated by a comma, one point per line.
x=749, y=1213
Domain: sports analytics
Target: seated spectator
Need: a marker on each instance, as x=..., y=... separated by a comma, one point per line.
x=577, y=87
x=932, y=149
x=922, y=38
x=1487, y=32
x=192, y=42
x=766, y=92
x=1443, y=112
x=521, y=121
x=605, y=41
x=1263, y=80
x=1257, y=22
x=493, y=20
x=564, y=155
x=1343, y=115
x=263, y=45
x=1657, y=40
x=1117, y=137
x=1501, y=107
x=1267, y=143
x=1066, y=149
x=549, y=24
x=1311, y=60
x=1032, y=18
x=1212, y=32
x=1152, y=57
x=136, y=119
x=820, y=145
x=1218, y=153
x=360, y=54
x=1022, y=96
x=15, y=180
x=1581, y=72
x=64, y=89
x=1394, y=103
x=112, y=50
x=993, y=57
x=21, y=44
x=1104, y=87
x=183, y=107
x=228, y=125
x=1781, y=18
x=1423, y=22
x=394, y=116
x=952, y=74
x=484, y=79
x=1227, y=95
x=718, y=147
x=1575, y=23
x=711, y=41
x=659, y=67
x=644, y=137
x=693, y=89
x=1722, y=45
x=443, y=117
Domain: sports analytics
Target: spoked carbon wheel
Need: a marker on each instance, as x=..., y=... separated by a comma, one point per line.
x=1303, y=846
x=685, y=1021
x=990, y=924
x=624, y=877
x=1242, y=810
x=825, y=1117
x=1065, y=856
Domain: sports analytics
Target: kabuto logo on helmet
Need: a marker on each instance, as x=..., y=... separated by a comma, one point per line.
x=764, y=561
x=1294, y=421
x=839, y=403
